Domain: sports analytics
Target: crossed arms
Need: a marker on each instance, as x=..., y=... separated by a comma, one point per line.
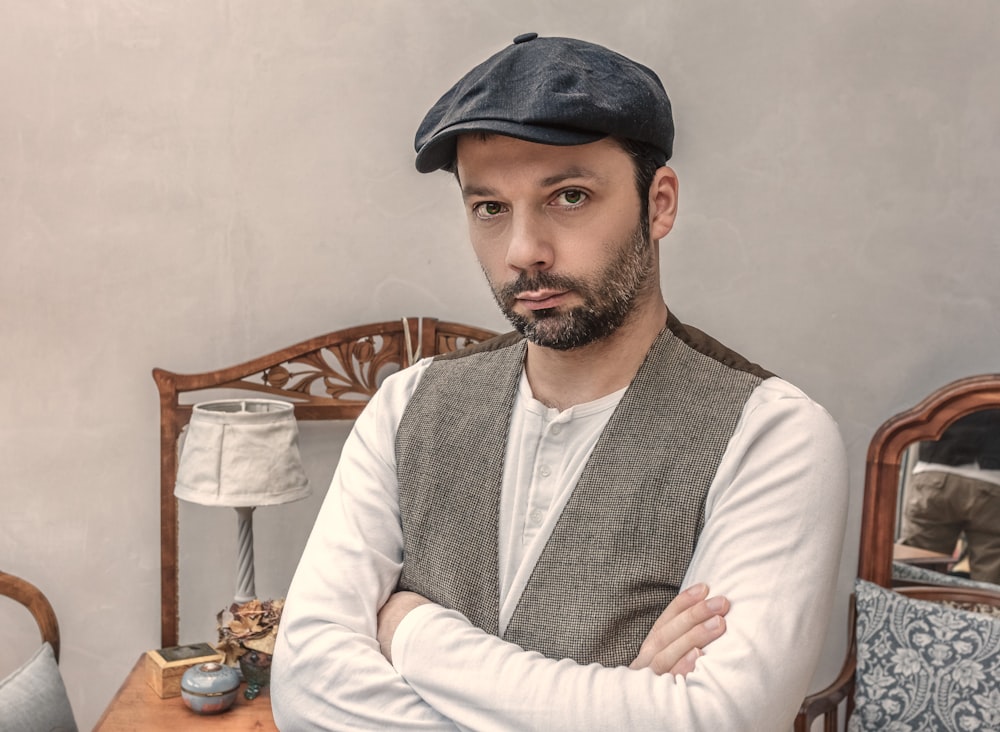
x=675, y=642
x=771, y=545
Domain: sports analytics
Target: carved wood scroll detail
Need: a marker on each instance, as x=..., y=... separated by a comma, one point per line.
x=352, y=370
x=448, y=342
x=349, y=371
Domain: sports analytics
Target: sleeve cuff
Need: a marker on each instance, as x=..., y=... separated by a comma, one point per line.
x=409, y=628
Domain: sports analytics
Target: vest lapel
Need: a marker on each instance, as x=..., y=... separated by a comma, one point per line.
x=450, y=474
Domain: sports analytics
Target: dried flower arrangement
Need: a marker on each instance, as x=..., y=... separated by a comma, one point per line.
x=252, y=626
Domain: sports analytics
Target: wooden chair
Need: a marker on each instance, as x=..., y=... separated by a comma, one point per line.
x=38, y=605
x=33, y=698
x=925, y=421
x=330, y=377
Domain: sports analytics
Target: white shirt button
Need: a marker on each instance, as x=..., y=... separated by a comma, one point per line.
x=535, y=517
x=544, y=471
x=556, y=429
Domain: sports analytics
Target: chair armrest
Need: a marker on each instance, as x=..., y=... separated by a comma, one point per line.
x=827, y=700
x=38, y=605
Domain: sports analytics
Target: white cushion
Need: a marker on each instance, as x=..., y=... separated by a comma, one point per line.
x=33, y=698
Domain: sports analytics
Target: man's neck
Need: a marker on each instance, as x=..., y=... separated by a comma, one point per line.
x=562, y=379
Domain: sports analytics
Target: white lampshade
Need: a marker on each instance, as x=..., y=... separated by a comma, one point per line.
x=241, y=452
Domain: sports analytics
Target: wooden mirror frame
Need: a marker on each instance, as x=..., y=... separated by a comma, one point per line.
x=925, y=421
x=330, y=377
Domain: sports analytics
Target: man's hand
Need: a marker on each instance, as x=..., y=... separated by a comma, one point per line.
x=392, y=614
x=688, y=624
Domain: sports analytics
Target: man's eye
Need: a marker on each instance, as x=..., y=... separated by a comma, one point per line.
x=488, y=209
x=571, y=198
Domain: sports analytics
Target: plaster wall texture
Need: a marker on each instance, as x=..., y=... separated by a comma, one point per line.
x=191, y=184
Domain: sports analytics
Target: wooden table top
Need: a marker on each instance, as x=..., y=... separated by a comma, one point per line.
x=922, y=557
x=137, y=707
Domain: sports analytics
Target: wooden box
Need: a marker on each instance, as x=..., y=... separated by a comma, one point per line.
x=165, y=666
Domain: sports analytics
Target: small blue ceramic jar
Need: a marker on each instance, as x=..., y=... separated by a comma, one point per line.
x=210, y=688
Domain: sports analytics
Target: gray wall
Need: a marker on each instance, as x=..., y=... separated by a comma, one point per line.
x=190, y=184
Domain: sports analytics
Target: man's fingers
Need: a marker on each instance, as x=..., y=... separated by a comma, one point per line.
x=686, y=664
x=684, y=601
x=684, y=651
x=688, y=624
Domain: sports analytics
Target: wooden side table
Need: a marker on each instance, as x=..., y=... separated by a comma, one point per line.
x=922, y=557
x=137, y=707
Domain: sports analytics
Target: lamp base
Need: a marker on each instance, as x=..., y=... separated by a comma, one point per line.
x=246, y=589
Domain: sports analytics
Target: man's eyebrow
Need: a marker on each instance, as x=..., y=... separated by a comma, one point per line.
x=477, y=192
x=568, y=174
x=573, y=173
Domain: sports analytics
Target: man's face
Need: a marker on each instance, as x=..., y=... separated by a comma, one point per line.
x=558, y=234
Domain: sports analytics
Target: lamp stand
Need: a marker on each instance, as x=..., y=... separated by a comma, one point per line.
x=245, y=587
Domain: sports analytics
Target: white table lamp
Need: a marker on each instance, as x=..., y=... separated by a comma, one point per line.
x=242, y=453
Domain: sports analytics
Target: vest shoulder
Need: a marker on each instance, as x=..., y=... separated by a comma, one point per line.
x=497, y=343
x=694, y=338
x=708, y=346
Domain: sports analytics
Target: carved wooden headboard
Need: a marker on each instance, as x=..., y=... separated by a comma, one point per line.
x=330, y=377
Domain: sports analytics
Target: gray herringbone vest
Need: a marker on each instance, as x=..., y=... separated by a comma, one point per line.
x=620, y=549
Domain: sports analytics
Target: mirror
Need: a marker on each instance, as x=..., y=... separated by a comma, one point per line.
x=949, y=503
x=959, y=413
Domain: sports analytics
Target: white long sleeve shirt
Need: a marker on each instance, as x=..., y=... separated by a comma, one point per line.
x=774, y=522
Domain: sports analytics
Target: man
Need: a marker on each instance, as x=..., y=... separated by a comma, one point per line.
x=522, y=536
x=955, y=491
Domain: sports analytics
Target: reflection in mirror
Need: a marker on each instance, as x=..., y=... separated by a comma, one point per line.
x=950, y=499
x=893, y=452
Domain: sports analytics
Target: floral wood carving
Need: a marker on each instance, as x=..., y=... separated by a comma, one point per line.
x=448, y=342
x=349, y=371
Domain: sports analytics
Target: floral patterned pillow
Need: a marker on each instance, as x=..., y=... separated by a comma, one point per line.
x=924, y=666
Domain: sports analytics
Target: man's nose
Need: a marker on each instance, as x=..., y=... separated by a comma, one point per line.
x=530, y=245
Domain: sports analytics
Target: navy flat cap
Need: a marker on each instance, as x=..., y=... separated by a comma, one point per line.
x=556, y=91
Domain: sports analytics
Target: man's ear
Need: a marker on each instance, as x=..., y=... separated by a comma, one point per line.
x=662, y=202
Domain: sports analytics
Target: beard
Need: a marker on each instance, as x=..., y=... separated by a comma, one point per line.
x=608, y=298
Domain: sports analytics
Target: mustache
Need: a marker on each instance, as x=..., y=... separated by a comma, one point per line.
x=536, y=281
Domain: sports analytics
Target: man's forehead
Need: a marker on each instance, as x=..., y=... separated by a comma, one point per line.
x=481, y=158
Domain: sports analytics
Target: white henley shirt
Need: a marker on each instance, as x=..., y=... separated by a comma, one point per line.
x=771, y=543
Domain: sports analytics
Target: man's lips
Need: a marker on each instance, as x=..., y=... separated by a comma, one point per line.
x=541, y=299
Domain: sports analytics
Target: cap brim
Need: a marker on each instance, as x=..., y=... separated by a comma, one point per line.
x=439, y=151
